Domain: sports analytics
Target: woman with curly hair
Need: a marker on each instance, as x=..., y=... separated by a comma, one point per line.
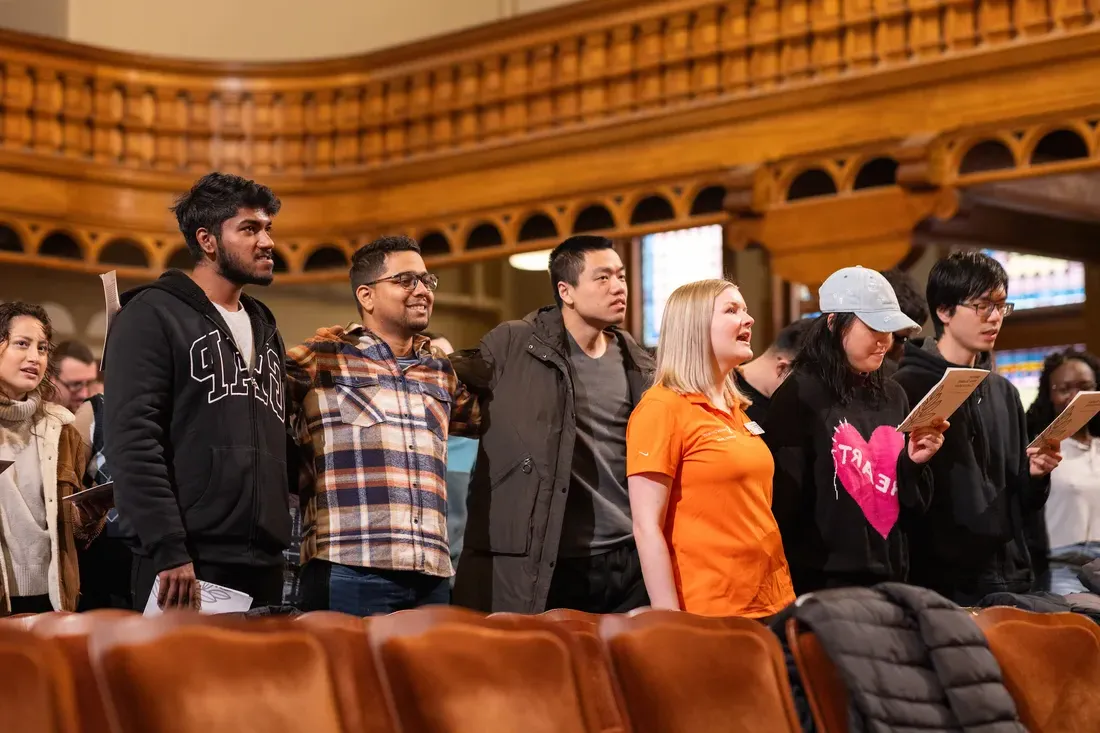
x=1069, y=536
x=42, y=458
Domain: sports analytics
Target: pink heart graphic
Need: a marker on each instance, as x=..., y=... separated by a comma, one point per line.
x=869, y=472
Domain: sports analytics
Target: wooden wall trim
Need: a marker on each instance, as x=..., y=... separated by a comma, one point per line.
x=603, y=103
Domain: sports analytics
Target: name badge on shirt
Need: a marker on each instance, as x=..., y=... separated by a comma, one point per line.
x=753, y=428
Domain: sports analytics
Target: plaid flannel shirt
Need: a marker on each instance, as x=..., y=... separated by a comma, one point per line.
x=373, y=443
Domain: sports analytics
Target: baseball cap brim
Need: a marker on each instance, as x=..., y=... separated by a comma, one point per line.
x=889, y=322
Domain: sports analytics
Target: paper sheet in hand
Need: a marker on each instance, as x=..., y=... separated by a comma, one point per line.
x=5, y=465
x=215, y=599
x=943, y=399
x=103, y=490
x=1078, y=412
x=110, y=298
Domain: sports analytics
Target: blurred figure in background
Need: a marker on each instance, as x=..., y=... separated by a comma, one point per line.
x=106, y=564
x=461, y=454
x=913, y=304
x=1066, y=535
x=77, y=374
x=758, y=379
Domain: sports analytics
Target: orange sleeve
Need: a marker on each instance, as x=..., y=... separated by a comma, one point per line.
x=654, y=439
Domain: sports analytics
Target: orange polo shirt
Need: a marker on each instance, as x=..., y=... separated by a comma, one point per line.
x=727, y=555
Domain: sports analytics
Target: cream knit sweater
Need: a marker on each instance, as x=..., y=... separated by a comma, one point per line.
x=24, y=537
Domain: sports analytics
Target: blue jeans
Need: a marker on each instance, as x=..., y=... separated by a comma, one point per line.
x=368, y=591
x=1062, y=577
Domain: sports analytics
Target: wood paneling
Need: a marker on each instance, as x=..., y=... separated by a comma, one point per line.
x=605, y=103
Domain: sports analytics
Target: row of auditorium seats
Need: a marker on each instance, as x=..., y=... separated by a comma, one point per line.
x=449, y=670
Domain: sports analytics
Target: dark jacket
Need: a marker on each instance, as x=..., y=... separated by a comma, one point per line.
x=521, y=373
x=971, y=542
x=910, y=660
x=197, y=444
x=842, y=515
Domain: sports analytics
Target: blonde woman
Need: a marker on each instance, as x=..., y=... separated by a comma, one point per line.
x=699, y=475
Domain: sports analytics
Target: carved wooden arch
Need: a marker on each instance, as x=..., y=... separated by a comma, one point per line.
x=810, y=238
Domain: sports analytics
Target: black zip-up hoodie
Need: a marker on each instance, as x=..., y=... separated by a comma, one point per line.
x=197, y=443
x=845, y=488
x=970, y=543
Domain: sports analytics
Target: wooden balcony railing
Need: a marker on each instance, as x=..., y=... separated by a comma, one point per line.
x=599, y=64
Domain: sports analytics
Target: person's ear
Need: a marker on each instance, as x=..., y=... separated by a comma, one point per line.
x=565, y=292
x=831, y=321
x=208, y=242
x=365, y=297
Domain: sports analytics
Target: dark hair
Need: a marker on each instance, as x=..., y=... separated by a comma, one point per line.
x=910, y=300
x=823, y=354
x=567, y=260
x=73, y=350
x=1041, y=413
x=960, y=277
x=8, y=313
x=215, y=199
x=790, y=339
x=369, y=261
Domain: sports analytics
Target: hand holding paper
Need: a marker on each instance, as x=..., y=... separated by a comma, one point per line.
x=925, y=442
x=211, y=598
x=1082, y=408
x=943, y=399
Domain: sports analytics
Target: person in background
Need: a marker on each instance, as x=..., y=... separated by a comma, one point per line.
x=38, y=531
x=194, y=414
x=1067, y=534
x=461, y=454
x=699, y=475
x=758, y=379
x=549, y=521
x=374, y=406
x=96, y=387
x=105, y=564
x=971, y=542
x=847, y=483
x=913, y=305
x=77, y=374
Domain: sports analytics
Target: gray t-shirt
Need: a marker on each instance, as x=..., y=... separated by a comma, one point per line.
x=597, y=512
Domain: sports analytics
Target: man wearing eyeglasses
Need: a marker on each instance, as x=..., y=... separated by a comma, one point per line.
x=971, y=542
x=373, y=405
x=76, y=374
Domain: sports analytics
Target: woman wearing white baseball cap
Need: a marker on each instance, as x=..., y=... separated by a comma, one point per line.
x=845, y=478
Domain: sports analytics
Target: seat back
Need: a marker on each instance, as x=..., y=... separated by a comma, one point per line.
x=36, y=687
x=193, y=677
x=681, y=673
x=1051, y=666
x=70, y=632
x=469, y=674
x=363, y=701
x=825, y=691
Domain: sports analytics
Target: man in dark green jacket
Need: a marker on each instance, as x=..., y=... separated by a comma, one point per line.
x=549, y=521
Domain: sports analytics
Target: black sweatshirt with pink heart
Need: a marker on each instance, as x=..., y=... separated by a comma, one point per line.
x=844, y=487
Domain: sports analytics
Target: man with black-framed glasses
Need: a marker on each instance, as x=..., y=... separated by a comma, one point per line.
x=987, y=482
x=372, y=406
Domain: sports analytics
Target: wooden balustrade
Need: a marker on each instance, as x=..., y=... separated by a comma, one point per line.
x=408, y=138
x=351, y=116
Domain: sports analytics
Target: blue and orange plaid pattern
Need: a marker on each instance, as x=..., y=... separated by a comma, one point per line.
x=373, y=442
